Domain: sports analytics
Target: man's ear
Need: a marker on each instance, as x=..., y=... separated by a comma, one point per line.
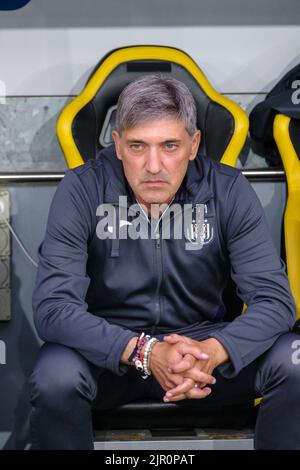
x=195, y=144
x=117, y=138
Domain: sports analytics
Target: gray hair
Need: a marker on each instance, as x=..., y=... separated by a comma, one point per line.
x=156, y=96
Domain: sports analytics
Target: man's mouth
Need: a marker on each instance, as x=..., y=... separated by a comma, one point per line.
x=154, y=182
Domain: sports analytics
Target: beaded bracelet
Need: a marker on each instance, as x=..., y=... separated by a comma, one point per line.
x=146, y=357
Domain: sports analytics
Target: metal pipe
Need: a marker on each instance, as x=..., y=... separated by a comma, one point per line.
x=260, y=174
x=24, y=177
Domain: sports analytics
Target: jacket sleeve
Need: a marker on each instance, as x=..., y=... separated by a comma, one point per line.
x=261, y=280
x=59, y=308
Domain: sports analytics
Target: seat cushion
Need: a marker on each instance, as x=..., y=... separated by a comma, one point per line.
x=147, y=414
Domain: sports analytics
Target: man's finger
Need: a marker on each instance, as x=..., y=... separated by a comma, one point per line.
x=187, y=384
x=184, y=387
x=184, y=365
x=174, y=338
x=196, y=393
x=184, y=349
x=199, y=376
x=177, y=398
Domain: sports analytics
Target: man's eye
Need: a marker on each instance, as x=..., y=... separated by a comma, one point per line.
x=136, y=146
x=171, y=146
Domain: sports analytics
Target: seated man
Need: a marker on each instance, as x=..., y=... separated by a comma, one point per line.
x=139, y=246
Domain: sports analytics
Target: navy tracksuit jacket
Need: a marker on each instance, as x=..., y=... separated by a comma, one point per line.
x=94, y=295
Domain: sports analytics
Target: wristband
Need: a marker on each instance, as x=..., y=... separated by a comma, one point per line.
x=146, y=357
x=140, y=341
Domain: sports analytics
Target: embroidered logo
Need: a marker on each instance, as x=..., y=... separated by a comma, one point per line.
x=200, y=232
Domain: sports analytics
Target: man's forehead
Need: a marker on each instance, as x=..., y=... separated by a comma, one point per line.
x=163, y=130
x=165, y=141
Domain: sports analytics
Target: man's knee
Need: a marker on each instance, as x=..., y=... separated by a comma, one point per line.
x=282, y=360
x=59, y=378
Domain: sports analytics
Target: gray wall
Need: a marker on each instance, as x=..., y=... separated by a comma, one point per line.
x=49, y=47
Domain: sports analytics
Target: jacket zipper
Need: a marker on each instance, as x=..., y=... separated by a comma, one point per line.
x=159, y=262
x=158, y=254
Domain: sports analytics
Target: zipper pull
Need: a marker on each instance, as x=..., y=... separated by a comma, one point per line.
x=157, y=239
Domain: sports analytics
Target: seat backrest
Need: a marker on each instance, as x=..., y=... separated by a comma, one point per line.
x=287, y=138
x=85, y=124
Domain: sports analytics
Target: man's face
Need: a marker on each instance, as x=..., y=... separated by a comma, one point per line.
x=155, y=157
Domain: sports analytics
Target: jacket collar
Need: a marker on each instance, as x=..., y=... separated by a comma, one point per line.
x=193, y=189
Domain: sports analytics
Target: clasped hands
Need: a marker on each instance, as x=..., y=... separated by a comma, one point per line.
x=184, y=367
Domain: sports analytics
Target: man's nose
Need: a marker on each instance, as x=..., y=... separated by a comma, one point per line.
x=153, y=163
